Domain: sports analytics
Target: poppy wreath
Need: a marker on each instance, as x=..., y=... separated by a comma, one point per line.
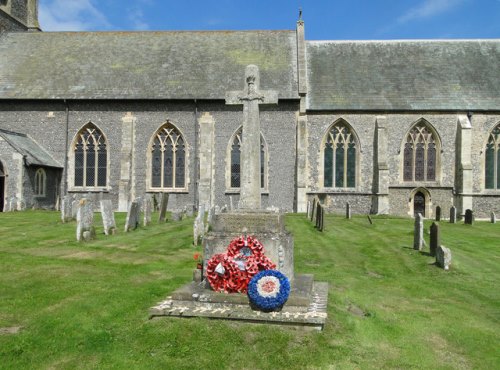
x=268, y=290
x=231, y=272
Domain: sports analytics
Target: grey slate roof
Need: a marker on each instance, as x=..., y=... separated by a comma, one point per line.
x=144, y=65
x=34, y=154
x=404, y=75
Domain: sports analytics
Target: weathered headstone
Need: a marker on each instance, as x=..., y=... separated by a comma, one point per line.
x=133, y=213
x=231, y=205
x=469, y=217
x=320, y=216
x=176, y=215
x=148, y=209
x=251, y=97
x=493, y=218
x=438, y=213
x=348, y=211
x=85, y=220
x=108, y=217
x=66, y=211
x=418, y=234
x=163, y=207
x=435, y=238
x=443, y=257
x=453, y=215
x=309, y=209
x=314, y=209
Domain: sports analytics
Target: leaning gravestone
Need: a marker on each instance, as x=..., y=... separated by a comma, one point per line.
x=438, y=213
x=418, y=234
x=85, y=220
x=134, y=211
x=443, y=257
x=163, y=207
x=66, y=212
x=306, y=305
x=314, y=210
x=435, y=238
x=108, y=217
x=320, y=217
x=453, y=215
x=148, y=209
x=469, y=217
x=348, y=211
x=493, y=218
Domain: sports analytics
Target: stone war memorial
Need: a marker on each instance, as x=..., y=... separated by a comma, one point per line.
x=248, y=266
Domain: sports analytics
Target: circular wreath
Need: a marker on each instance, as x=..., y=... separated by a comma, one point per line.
x=269, y=290
x=230, y=272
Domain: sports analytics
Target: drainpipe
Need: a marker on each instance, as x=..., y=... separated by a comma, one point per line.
x=65, y=189
x=197, y=157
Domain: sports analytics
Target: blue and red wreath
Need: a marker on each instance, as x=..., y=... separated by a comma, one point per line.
x=268, y=290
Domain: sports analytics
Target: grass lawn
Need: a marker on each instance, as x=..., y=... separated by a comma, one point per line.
x=86, y=305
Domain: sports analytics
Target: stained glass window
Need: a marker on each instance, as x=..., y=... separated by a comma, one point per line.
x=492, y=160
x=40, y=179
x=340, y=153
x=90, y=158
x=168, y=159
x=235, y=177
x=420, y=155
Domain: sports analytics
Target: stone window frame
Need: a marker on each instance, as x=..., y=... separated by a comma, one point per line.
x=437, y=141
x=496, y=159
x=71, y=163
x=234, y=136
x=40, y=183
x=321, y=158
x=149, y=159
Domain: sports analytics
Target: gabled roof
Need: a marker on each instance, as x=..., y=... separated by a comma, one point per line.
x=144, y=65
x=404, y=75
x=34, y=154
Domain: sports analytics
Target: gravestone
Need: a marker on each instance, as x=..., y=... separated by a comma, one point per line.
x=313, y=210
x=418, y=234
x=210, y=218
x=309, y=209
x=443, y=257
x=85, y=220
x=199, y=225
x=108, y=217
x=493, y=218
x=348, y=211
x=320, y=217
x=438, y=213
x=453, y=215
x=469, y=217
x=66, y=211
x=176, y=215
x=307, y=302
x=189, y=211
x=163, y=207
x=435, y=238
x=148, y=209
x=133, y=215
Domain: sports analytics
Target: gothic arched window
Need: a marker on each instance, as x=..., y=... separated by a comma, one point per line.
x=492, y=160
x=420, y=154
x=339, y=158
x=235, y=167
x=168, y=159
x=40, y=181
x=90, y=158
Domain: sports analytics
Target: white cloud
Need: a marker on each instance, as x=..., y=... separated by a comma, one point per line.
x=71, y=15
x=136, y=16
x=428, y=9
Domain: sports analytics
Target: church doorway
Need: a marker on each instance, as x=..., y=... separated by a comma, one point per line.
x=2, y=187
x=419, y=204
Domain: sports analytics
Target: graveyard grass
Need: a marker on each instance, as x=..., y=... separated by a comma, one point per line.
x=86, y=305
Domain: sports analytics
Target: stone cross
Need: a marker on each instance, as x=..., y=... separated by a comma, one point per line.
x=418, y=237
x=251, y=97
x=453, y=215
x=435, y=238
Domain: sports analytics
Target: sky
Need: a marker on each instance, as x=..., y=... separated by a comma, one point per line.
x=324, y=19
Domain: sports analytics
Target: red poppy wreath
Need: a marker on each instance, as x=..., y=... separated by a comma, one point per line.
x=231, y=272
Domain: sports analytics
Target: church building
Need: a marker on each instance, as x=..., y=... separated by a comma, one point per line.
x=392, y=127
